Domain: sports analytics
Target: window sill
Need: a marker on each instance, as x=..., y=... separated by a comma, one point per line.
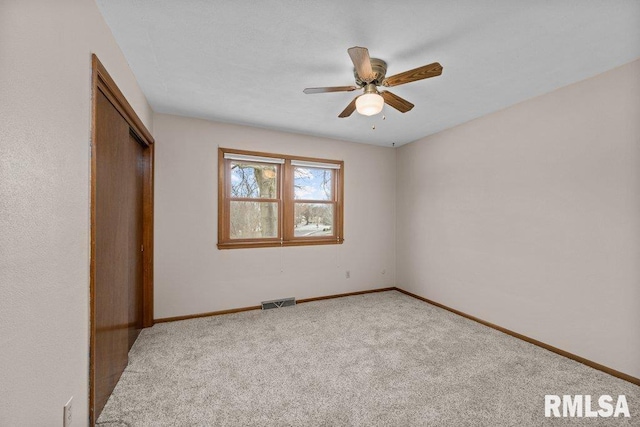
x=272, y=244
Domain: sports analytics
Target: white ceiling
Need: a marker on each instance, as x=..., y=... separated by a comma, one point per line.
x=247, y=62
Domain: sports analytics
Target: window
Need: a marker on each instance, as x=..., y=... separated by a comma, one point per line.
x=275, y=200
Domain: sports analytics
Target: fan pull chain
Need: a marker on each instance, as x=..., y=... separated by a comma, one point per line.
x=374, y=126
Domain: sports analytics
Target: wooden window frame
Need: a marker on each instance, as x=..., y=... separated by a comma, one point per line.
x=286, y=203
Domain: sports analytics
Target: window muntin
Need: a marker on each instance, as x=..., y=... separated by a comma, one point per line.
x=275, y=200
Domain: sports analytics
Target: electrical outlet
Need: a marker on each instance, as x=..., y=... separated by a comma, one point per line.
x=347, y=274
x=66, y=421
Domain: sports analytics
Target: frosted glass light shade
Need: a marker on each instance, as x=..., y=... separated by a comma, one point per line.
x=369, y=104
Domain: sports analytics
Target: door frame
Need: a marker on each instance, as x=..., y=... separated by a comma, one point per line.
x=102, y=81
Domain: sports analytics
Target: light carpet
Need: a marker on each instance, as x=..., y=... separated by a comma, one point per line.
x=382, y=359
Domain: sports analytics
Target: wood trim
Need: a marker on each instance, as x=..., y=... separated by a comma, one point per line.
x=280, y=156
x=103, y=82
x=551, y=348
x=92, y=264
x=258, y=307
x=211, y=313
x=222, y=218
x=339, y=214
x=275, y=244
x=287, y=201
x=319, y=202
x=348, y=294
x=147, y=237
x=258, y=200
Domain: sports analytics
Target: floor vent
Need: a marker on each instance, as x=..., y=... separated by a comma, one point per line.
x=278, y=303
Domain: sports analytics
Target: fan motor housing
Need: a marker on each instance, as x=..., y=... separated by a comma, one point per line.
x=379, y=68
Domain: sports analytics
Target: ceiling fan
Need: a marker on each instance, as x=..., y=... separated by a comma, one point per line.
x=370, y=73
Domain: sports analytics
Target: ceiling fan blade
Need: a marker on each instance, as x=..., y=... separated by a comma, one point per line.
x=350, y=108
x=311, y=90
x=396, y=102
x=424, y=72
x=362, y=62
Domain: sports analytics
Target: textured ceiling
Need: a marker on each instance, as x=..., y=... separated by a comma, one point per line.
x=248, y=61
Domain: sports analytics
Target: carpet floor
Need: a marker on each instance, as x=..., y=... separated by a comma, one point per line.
x=381, y=359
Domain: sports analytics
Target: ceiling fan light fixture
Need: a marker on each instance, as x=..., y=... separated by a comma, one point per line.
x=369, y=104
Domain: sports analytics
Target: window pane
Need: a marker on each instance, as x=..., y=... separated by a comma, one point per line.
x=253, y=220
x=254, y=180
x=313, y=219
x=312, y=183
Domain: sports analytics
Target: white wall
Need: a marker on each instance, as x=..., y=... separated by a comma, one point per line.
x=45, y=99
x=193, y=276
x=530, y=218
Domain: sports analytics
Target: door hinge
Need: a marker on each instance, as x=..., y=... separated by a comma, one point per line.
x=141, y=248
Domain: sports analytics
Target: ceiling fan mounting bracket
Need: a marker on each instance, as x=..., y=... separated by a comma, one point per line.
x=370, y=88
x=379, y=68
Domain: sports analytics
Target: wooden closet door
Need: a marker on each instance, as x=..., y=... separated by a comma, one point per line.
x=135, y=242
x=118, y=247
